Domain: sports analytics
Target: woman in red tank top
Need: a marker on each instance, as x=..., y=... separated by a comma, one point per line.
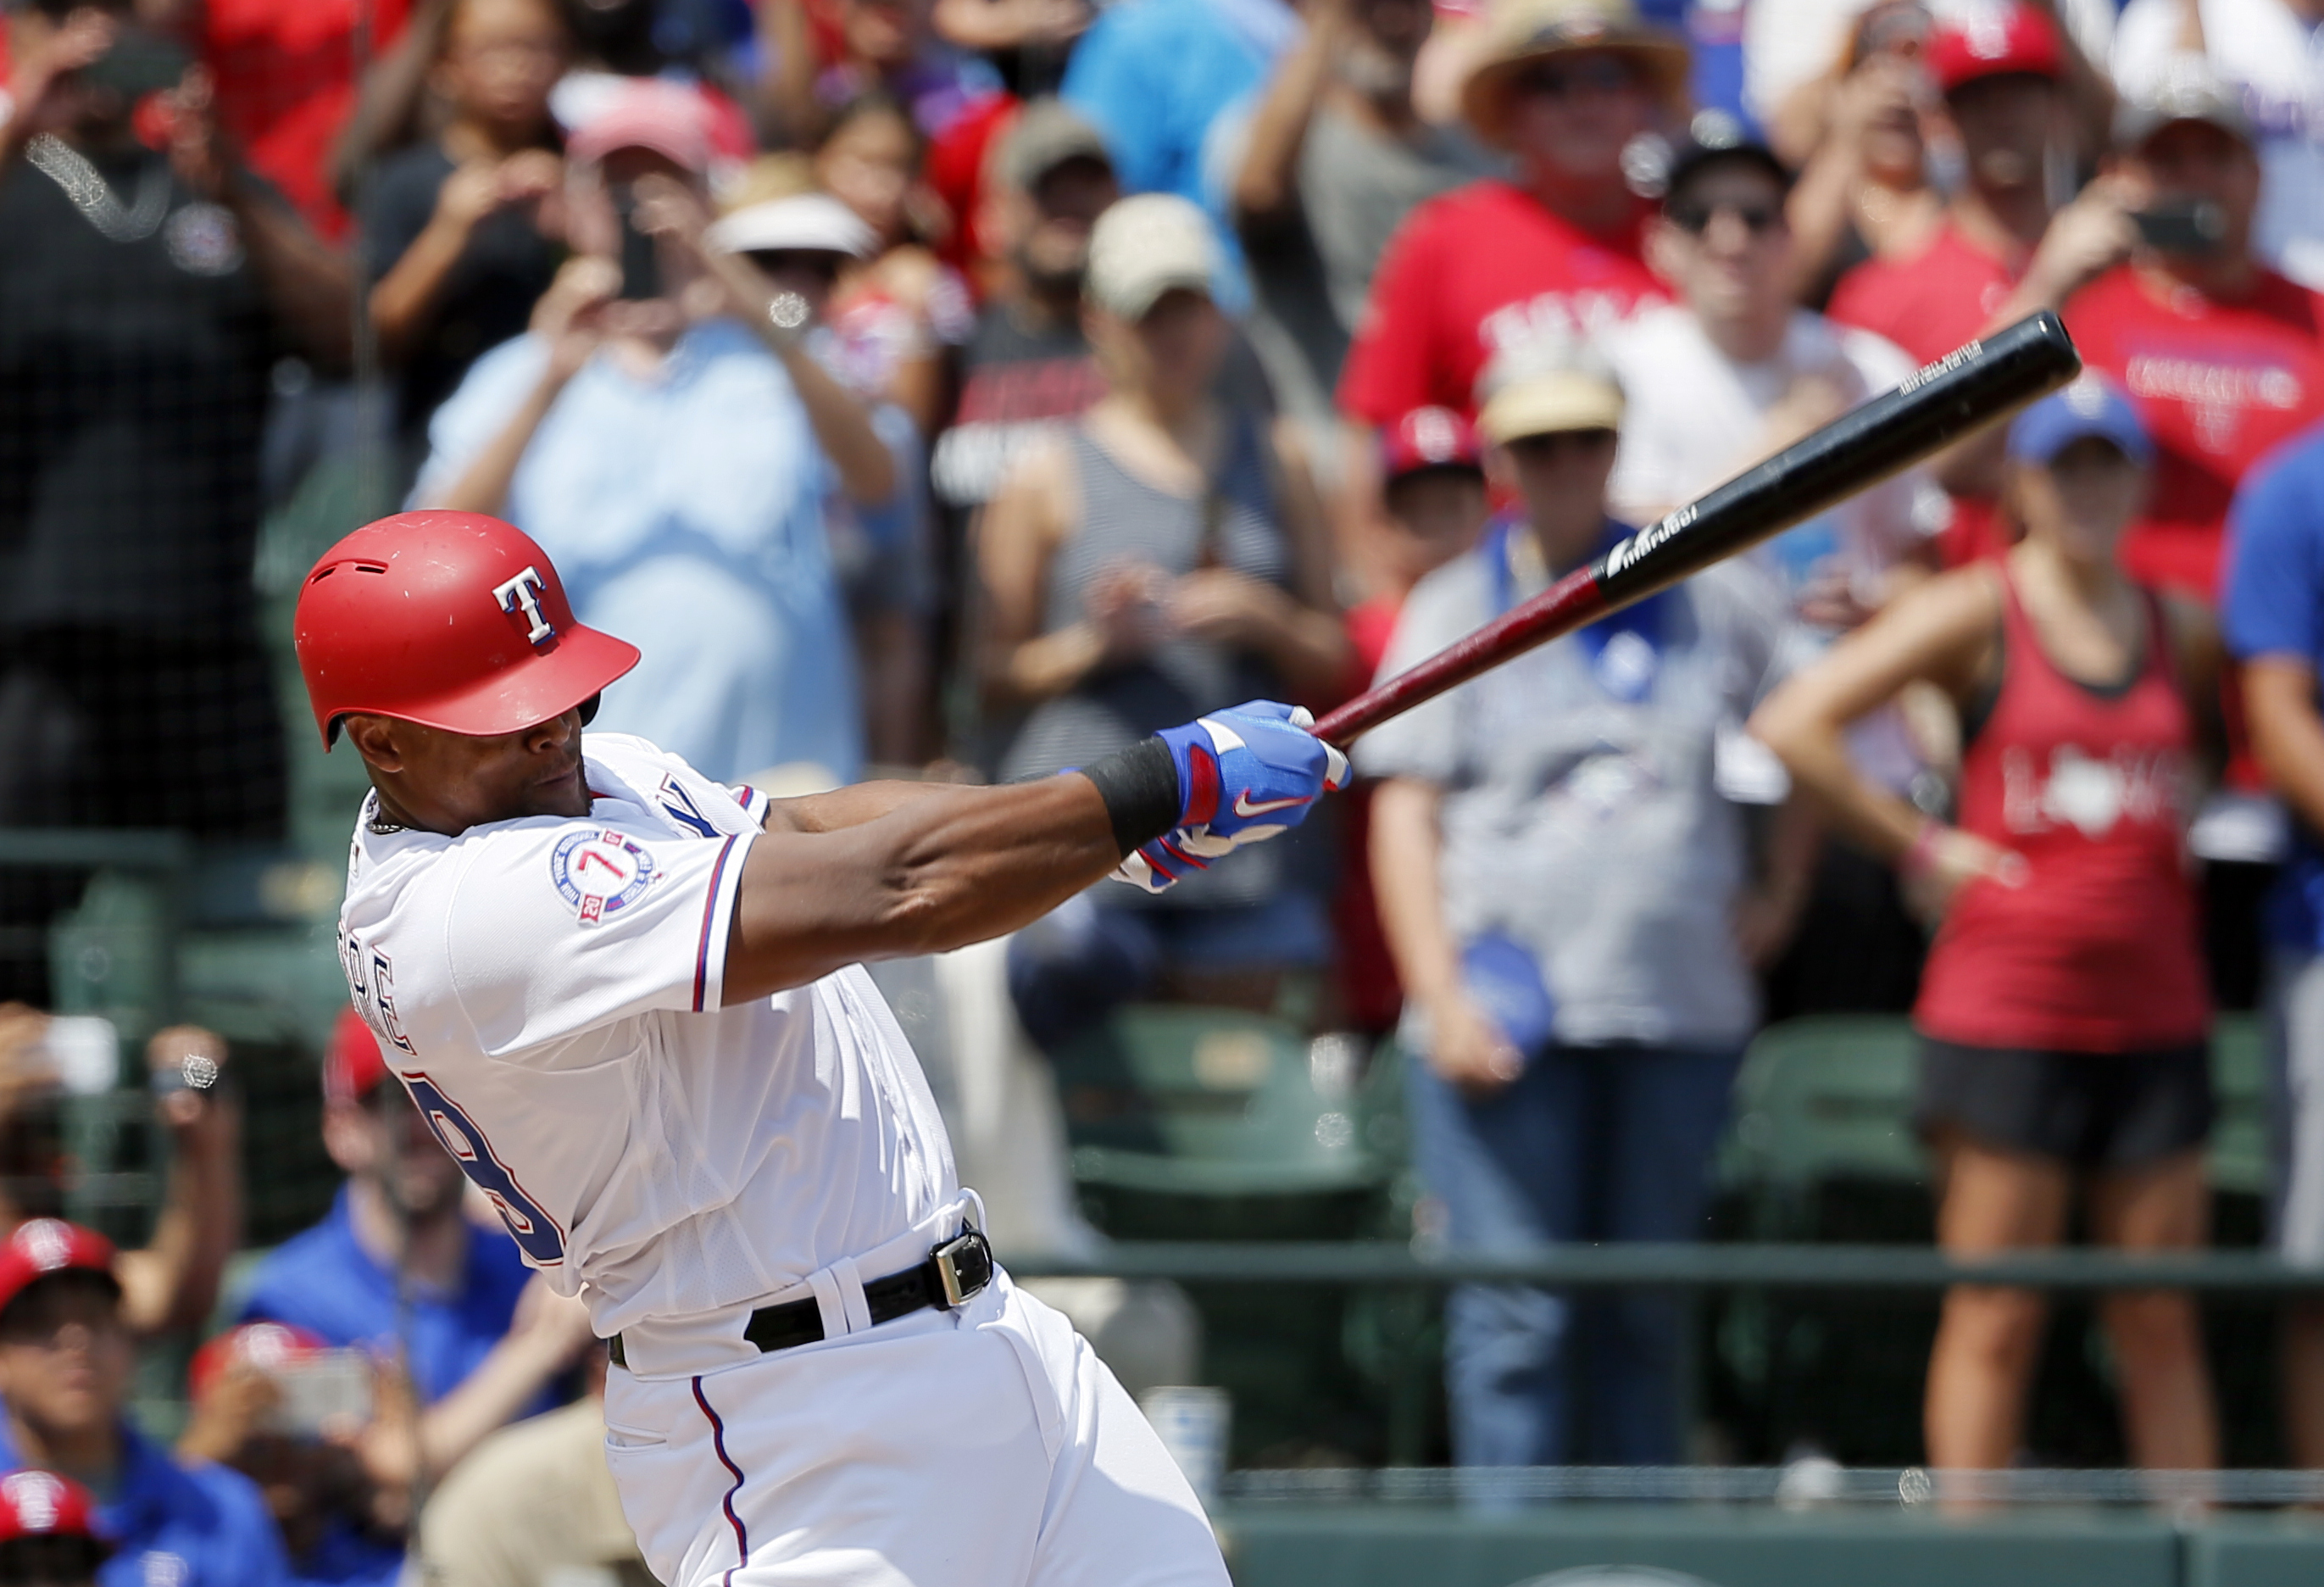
x=2063, y=1013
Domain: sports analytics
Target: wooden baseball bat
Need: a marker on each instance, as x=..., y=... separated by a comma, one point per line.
x=1966, y=390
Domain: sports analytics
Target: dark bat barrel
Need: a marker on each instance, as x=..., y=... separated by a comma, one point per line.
x=1936, y=406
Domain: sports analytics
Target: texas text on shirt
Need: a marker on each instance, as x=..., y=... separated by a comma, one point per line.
x=180, y=1526
x=2217, y=384
x=1478, y=270
x=533, y=979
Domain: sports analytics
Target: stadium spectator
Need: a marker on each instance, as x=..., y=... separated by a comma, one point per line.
x=1153, y=75
x=2264, y=51
x=460, y=234
x=1431, y=471
x=620, y=44
x=2064, y=1020
x=145, y=296
x=1789, y=48
x=2274, y=594
x=1997, y=254
x=399, y=1267
x=1732, y=373
x=1728, y=374
x=534, y=1497
x=899, y=310
x=1568, y=899
x=673, y=448
x=67, y=1362
x=883, y=555
x=286, y=73
x=1165, y=556
x=1320, y=174
x=1562, y=86
x=1027, y=367
x=49, y=1535
x=812, y=72
x=1864, y=192
x=2223, y=357
x=278, y=1404
x=173, y=1282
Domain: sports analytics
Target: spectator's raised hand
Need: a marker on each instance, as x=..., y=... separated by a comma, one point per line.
x=1126, y=605
x=47, y=98
x=228, y=1412
x=188, y=1064
x=1225, y=607
x=2087, y=238
x=568, y=315
x=197, y=144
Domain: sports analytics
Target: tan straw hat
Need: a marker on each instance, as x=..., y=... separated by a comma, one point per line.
x=1545, y=385
x=1519, y=33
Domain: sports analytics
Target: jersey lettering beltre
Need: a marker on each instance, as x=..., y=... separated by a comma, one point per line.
x=548, y=991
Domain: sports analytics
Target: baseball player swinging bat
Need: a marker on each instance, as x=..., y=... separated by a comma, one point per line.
x=630, y=1000
x=1965, y=390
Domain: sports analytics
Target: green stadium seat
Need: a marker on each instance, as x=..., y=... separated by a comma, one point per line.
x=2239, y=1156
x=1203, y=1102
x=1823, y=1098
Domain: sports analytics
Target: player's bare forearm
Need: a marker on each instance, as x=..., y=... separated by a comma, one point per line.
x=854, y=804
x=941, y=868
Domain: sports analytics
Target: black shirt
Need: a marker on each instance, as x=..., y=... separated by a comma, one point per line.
x=489, y=297
x=132, y=392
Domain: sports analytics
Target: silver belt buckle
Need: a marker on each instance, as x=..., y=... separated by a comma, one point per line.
x=964, y=1265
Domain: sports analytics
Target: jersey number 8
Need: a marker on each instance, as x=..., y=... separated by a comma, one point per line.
x=535, y=1231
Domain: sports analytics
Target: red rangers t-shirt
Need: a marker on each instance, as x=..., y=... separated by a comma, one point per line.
x=1928, y=305
x=2217, y=383
x=1475, y=270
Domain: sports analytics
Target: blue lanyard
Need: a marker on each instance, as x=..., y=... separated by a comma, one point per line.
x=1643, y=623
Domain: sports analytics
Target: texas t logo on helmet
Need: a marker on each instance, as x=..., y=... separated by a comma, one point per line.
x=523, y=594
x=452, y=620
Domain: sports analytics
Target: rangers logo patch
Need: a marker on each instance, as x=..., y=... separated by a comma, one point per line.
x=601, y=871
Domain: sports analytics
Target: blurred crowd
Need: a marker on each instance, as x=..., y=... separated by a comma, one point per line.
x=968, y=388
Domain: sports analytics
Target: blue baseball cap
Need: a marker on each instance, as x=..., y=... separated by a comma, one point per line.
x=2092, y=406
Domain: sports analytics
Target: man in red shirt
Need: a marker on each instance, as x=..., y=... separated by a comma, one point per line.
x=2003, y=75
x=1563, y=86
x=2224, y=358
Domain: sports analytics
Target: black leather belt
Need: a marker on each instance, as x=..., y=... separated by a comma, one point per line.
x=957, y=1271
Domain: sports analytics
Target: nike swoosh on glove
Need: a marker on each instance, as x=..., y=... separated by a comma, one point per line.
x=1244, y=775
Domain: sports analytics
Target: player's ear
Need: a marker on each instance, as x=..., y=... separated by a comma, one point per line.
x=377, y=739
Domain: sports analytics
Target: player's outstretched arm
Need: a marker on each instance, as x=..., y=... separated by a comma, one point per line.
x=929, y=874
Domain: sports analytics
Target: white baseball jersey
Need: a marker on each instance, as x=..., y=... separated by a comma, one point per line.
x=549, y=991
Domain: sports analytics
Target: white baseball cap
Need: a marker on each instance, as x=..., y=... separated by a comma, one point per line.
x=1145, y=246
x=807, y=223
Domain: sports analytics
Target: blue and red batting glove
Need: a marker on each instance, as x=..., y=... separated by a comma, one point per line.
x=1244, y=775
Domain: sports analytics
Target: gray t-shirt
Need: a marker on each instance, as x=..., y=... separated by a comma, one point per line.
x=1585, y=825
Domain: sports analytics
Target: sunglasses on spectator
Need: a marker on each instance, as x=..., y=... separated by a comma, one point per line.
x=1694, y=220
x=780, y=261
x=1589, y=74
x=1550, y=444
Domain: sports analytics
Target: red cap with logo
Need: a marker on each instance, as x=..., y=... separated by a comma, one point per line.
x=2010, y=37
x=42, y=1246
x=1429, y=437
x=453, y=620
x=352, y=1064
x=41, y=1504
x=266, y=1345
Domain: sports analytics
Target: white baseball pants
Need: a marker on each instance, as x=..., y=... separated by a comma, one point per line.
x=985, y=1448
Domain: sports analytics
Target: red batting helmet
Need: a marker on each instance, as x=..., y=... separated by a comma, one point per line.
x=452, y=620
